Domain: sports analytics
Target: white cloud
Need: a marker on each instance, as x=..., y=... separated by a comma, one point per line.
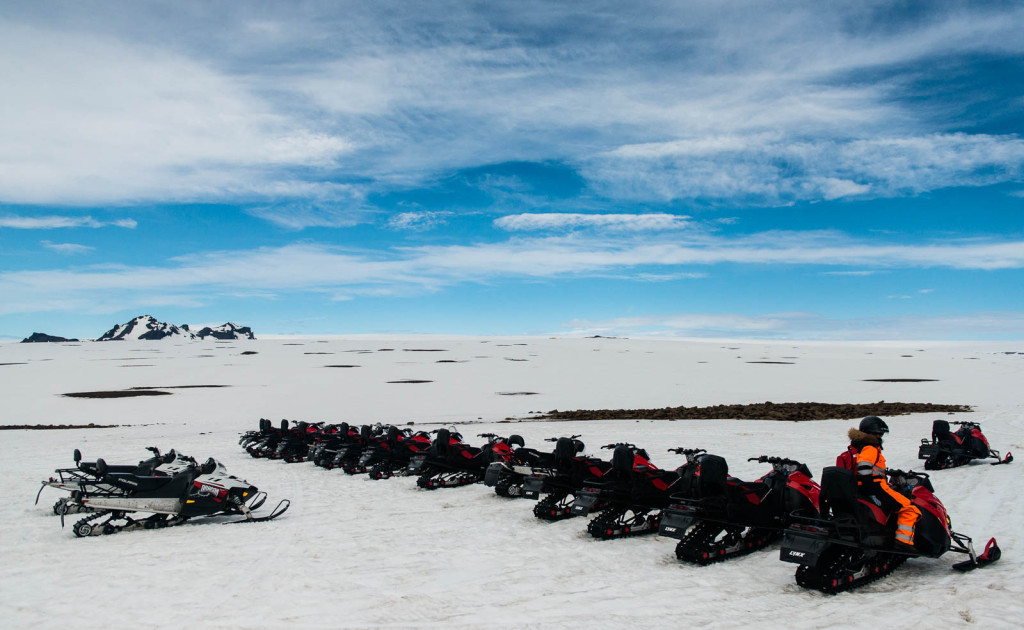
x=419, y=221
x=52, y=222
x=710, y=101
x=812, y=326
x=67, y=248
x=313, y=268
x=568, y=221
x=90, y=119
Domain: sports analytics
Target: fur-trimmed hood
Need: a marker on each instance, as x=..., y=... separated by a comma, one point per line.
x=860, y=439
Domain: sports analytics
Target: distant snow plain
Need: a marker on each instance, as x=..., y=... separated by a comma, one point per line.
x=356, y=553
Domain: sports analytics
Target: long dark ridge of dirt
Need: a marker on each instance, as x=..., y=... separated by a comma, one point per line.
x=900, y=380
x=120, y=393
x=794, y=412
x=181, y=387
x=53, y=427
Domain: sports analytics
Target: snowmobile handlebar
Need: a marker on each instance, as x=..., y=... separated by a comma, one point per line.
x=618, y=444
x=554, y=439
x=687, y=451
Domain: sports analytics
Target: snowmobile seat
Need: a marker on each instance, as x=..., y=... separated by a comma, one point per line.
x=622, y=459
x=838, y=498
x=940, y=431
x=712, y=476
x=565, y=450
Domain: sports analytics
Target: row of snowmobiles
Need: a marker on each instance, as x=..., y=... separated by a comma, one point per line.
x=161, y=491
x=839, y=539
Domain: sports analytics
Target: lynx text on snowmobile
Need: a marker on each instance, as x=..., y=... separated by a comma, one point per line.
x=122, y=498
x=721, y=517
x=84, y=477
x=852, y=543
x=949, y=449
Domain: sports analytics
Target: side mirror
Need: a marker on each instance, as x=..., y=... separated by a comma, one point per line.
x=170, y=456
x=78, y=456
x=101, y=467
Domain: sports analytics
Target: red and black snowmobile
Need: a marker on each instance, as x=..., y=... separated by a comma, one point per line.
x=852, y=543
x=391, y=451
x=509, y=476
x=633, y=493
x=450, y=462
x=949, y=449
x=720, y=517
x=560, y=475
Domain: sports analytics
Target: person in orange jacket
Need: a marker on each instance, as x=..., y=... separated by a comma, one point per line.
x=865, y=457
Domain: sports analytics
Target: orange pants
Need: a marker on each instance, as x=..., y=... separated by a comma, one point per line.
x=892, y=501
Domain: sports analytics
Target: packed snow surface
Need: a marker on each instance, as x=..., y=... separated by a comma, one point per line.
x=356, y=553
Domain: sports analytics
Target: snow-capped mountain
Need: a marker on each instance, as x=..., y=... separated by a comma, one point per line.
x=225, y=331
x=148, y=328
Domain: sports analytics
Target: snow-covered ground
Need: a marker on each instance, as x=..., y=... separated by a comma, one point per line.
x=355, y=553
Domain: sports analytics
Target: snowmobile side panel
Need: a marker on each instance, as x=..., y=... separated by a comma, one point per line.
x=585, y=500
x=802, y=546
x=532, y=487
x=676, y=522
x=155, y=505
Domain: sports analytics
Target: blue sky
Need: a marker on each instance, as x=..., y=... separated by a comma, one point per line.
x=787, y=170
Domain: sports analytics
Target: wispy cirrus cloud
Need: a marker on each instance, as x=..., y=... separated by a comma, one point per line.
x=568, y=221
x=67, y=248
x=811, y=326
x=419, y=221
x=329, y=270
x=52, y=222
x=701, y=101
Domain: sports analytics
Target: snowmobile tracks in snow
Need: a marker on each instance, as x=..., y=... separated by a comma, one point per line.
x=612, y=524
x=710, y=542
x=844, y=570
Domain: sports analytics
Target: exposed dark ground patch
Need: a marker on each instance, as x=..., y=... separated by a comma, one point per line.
x=120, y=393
x=424, y=350
x=248, y=352
x=411, y=380
x=385, y=349
x=900, y=380
x=293, y=344
x=341, y=366
x=54, y=427
x=774, y=362
x=795, y=412
x=182, y=387
x=517, y=393
x=508, y=359
x=23, y=363
x=448, y=361
x=313, y=353
x=138, y=365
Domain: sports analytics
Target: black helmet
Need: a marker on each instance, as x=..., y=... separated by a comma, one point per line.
x=874, y=425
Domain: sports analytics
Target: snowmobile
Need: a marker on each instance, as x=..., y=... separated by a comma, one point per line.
x=509, y=477
x=167, y=500
x=949, y=449
x=450, y=462
x=390, y=454
x=264, y=443
x=561, y=476
x=349, y=456
x=852, y=542
x=295, y=443
x=84, y=475
x=721, y=517
x=633, y=492
x=333, y=450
